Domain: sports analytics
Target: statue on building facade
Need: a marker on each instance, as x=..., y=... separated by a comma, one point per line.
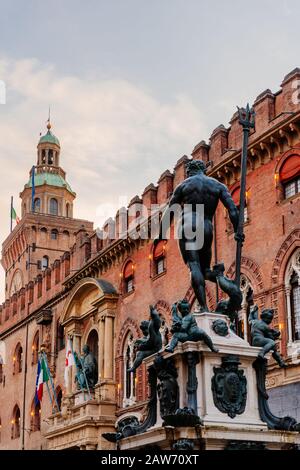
x=185, y=328
x=199, y=189
x=263, y=335
x=151, y=342
x=87, y=369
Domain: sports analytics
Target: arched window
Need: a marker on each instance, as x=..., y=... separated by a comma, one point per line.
x=68, y=213
x=128, y=277
x=44, y=156
x=35, y=417
x=45, y=262
x=16, y=423
x=53, y=207
x=292, y=291
x=50, y=157
x=60, y=336
x=129, y=385
x=59, y=395
x=35, y=349
x=159, y=262
x=295, y=305
x=37, y=205
x=289, y=175
x=18, y=359
x=54, y=234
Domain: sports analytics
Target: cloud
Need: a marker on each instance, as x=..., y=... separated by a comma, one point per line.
x=116, y=136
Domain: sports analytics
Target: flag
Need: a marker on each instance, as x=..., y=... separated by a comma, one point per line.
x=32, y=188
x=41, y=377
x=70, y=361
x=14, y=215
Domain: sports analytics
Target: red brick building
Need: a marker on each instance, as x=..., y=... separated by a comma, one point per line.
x=63, y=280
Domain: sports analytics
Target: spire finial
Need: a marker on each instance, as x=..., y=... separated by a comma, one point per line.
x=48, y=121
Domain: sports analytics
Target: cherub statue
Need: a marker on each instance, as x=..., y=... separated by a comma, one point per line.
x=263, y=335
x=185, y=327
x=151, y=342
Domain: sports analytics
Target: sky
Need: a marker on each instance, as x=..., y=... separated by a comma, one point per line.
x=133, y=85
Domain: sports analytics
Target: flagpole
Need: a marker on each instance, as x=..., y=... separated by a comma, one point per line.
x=32, y=188
x=51, y=382
x=40, y=364
x=11, y=209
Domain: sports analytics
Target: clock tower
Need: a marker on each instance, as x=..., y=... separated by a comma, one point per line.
x=47, y=227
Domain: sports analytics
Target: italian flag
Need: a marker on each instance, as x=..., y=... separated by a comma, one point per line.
x=14, y=215
x=41, y=378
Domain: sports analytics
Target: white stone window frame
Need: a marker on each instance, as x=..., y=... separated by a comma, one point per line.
x=131, y=400
x=293, y=346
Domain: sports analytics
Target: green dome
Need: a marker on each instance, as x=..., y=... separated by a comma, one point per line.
x=49, y=138
x=51, y=179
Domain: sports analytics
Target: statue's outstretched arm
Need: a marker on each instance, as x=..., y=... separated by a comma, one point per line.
x=227, y=201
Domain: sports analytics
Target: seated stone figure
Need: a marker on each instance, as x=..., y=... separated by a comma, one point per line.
x=185, y=327
x=151, y=343
x=87, y=370
x=264, y=336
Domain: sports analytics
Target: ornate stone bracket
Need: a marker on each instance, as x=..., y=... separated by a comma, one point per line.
x=287, y=423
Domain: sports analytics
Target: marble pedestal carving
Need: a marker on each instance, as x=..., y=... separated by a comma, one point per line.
x=221, y=388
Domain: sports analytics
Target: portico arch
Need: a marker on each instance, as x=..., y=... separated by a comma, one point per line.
x=91, y=306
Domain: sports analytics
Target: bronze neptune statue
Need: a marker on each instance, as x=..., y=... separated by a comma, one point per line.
x=197, y=189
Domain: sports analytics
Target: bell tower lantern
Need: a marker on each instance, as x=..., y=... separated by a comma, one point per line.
x=48, y=149
x=52, y=194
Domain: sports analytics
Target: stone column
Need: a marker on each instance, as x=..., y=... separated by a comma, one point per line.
x=108, y=348
x=101, y=349
x=289, y=313
x=76, y=348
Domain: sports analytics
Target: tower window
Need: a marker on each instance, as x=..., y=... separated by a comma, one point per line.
x=53, y=206
x=37, y=205
x=43, y=156
x=50, y=157
x=68, y=214
x=54, y=234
